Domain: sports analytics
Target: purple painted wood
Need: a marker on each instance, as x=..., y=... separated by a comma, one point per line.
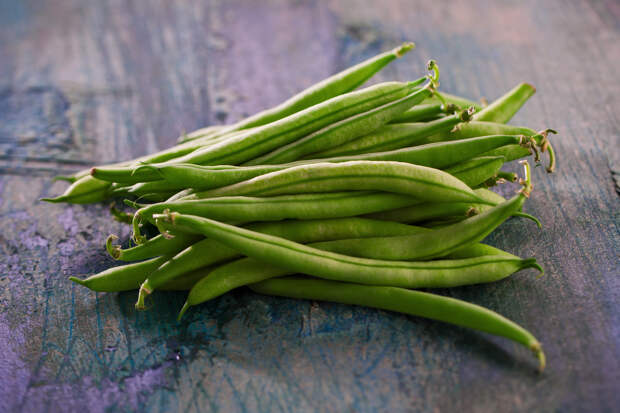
x=113, y=80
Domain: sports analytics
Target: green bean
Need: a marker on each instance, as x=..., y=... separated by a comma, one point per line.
x=295, y=257
x=130, y=276
x=442, y=273
x=477, y=250
x=86, y=172
x=208, y=177
x=425, y=112
x=142, y=189
x=335, y=85
x=341, y=132
x=215, y=281
x=306, y=206
x=69, y=178
x=436, y=155
x=444, y=240
x=88, y=189
x=513, y=152
x=154, y=247
x=427, y=211
x=500, y=111
x=187, y=264
x=208, y=251
x=433, y=210
x=290, y=254
x=122, y=278
x=213, y=131
x=250, y=144
x=211, y=287
x=475, y=129
x=417, y=181
x=471, y=172
x=390, y=137
x=477, y=170
x=84, y=190
x=478, y=209
x=211, y=140
x=504, y=108
x=416, y=303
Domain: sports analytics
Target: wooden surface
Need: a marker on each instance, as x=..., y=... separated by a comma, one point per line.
x=92, y=82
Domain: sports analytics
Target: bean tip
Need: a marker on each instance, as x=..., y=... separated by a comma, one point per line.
x=65, y=178
x=183, y=310
x=404, y=48
x=133, y=204
x=78, y=281
x=530, y=217
x=532, y=263
x=56, y=200
x=540, y=355
x=530, y=86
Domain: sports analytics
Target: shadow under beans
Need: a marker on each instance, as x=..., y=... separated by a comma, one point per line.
x=246, y=327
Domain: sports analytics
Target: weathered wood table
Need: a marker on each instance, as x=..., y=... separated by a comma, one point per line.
x=91, y=82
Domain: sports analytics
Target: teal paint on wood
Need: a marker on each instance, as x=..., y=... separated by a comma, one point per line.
x=109, y=82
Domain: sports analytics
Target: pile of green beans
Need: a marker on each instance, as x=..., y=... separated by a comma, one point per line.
x=357, y=196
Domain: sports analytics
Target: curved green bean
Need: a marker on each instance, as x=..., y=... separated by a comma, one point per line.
x=477, y=170
x=437, y=243
x=304, y=207
x=87, y=189
x=341, y=132
x=416, y=303
x=84, y=190
x=475, y=129
x=208, y=251
x=436, y=155
x=504, y=108
x=335, y=85
x=129, y=277
x=446, y=239
x=250, y=144
x=430, y=211
x=417, y=181
x=121, y=278
x=391, y=137
x=440, y=273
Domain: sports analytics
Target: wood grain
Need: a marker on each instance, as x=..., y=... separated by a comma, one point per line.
x=105, y=81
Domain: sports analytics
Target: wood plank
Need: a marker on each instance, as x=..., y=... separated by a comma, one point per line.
x=111, y=81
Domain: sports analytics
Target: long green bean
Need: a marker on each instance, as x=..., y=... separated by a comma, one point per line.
x=416, y=303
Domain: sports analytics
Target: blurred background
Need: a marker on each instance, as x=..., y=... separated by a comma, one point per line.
x=85, y=83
